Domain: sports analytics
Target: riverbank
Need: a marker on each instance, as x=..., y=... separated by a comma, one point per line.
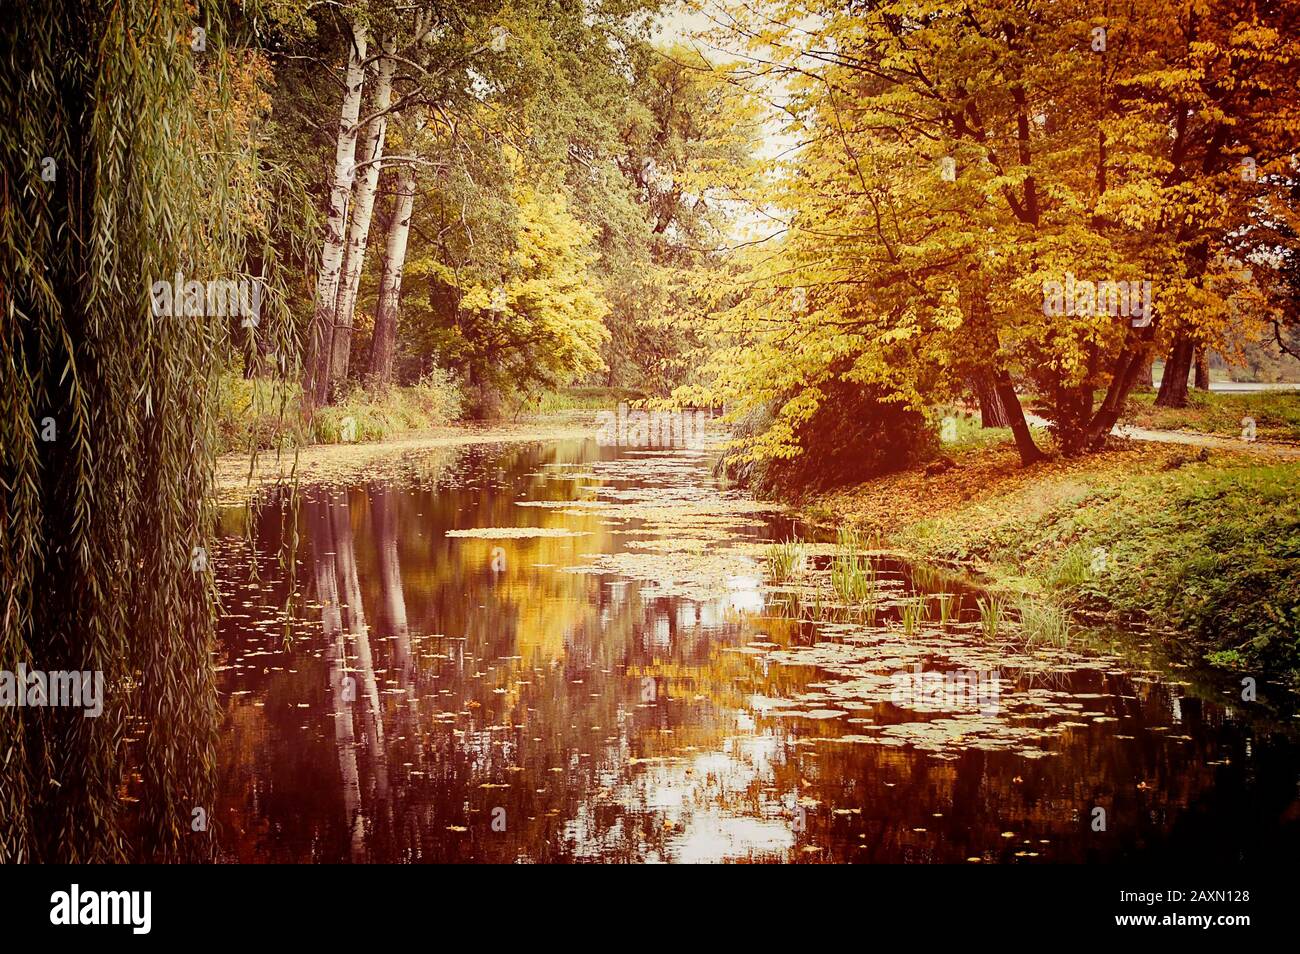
x=1201, y=546
x=262, y=437
x=266, y=414
x=238, y=475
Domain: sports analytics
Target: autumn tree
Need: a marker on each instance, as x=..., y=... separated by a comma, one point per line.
x=955, y=163
x=522, y=321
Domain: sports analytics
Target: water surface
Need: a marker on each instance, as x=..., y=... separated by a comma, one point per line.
x=561, y=652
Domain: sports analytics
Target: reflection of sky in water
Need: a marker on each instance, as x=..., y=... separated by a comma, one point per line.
x=609, y=669
x=745, y=594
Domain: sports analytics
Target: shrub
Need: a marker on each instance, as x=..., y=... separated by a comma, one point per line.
x=853, y=435
x=434, y=401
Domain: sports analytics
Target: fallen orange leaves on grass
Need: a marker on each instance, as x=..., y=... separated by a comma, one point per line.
x=981, y=477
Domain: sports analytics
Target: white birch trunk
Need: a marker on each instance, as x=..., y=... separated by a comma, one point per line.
x=331, y=261
x=363, y=206
x=390, y=282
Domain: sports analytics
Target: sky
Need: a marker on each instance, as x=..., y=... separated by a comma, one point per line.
x=681, y=23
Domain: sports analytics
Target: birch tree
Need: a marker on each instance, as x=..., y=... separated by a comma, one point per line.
x=363, y=204
x=438, y=81
x=390, y=281
x=316, y=385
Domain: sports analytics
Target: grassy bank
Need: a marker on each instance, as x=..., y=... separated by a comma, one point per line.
x=583, y=399
x=1276, y=414
x=262, y=414
x=1203, y=547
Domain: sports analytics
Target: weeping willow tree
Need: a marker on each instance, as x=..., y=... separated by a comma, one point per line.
x=120, y=166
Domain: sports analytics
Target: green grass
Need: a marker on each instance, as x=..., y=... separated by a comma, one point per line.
x=914, y=612
x=853, y=575
x=262, y=413
x=433, y=402
x=949, y=607
x=1072, y=570
x=992, y=611
x=967, y=433
x=786, y=560
x=1209, y=552
x=1043, y=622
x=582, y=399
x=1276, y=414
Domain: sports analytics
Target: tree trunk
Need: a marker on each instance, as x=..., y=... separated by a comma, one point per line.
x=316, y=385
x=992, y=412
x=1006, y=391
x=1128, y=366
x=363, y=206
x=1173, y=386
x=1146, y=375
x=1202, y=382
x=390, y=282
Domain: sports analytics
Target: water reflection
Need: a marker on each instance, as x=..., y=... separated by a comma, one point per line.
x=591, y=668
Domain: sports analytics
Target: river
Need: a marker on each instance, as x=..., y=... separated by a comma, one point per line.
x=563, y=652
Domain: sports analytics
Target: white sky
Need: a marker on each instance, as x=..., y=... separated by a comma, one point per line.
x=680, y=24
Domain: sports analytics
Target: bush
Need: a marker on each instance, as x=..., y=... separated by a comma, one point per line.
x=434, y=401
x=264, y=413
x=438, y=395
x=256, y=413
x=853, y=436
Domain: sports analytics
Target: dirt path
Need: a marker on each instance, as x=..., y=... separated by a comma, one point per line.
x=1192, y=439
x=1291, y=451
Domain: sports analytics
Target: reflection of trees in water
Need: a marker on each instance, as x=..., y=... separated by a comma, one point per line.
x=342, y=683
x=384, y=515
x=354, y=619
x=392, y=556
